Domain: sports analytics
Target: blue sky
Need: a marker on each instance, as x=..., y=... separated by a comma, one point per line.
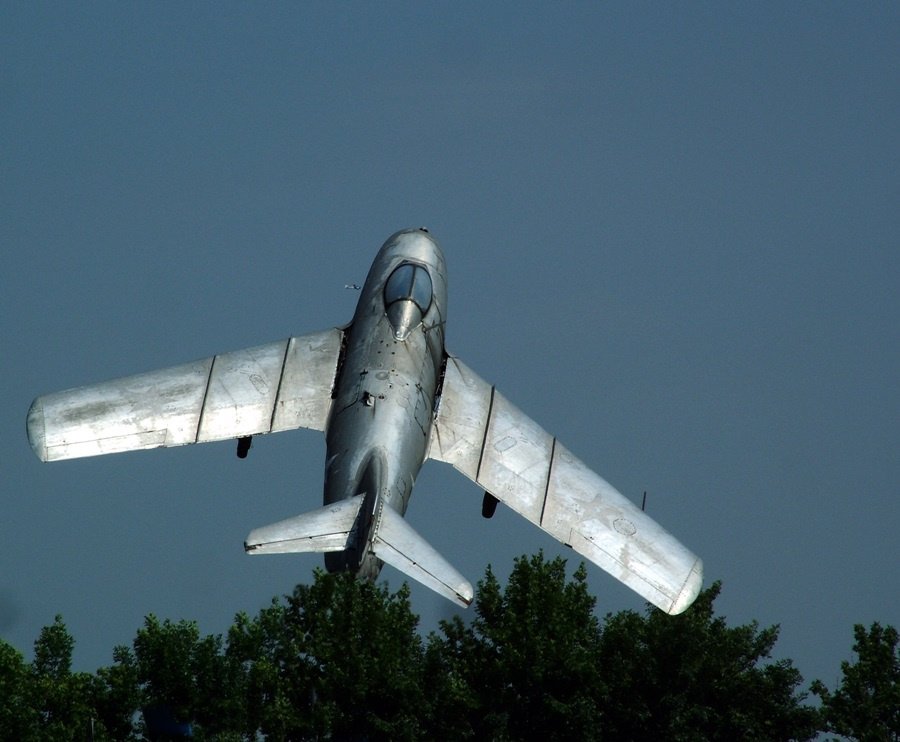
x=671, y=236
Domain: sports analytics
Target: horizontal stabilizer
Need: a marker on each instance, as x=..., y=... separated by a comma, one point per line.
x=325, y=529
x=400, y=546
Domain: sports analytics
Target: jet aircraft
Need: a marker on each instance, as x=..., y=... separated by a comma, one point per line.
x=387, y=396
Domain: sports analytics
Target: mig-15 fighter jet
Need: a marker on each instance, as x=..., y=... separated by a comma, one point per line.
x=388, y=396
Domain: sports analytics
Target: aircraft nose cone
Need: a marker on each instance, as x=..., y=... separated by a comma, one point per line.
x=410, y=238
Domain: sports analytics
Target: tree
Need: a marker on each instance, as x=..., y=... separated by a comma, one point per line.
x=17, y=718
x=527, y=667
x=339, y=659
x=536, y=664
x=866, y=704
x=61, y=700
x=691, y=677
x=277, y=677
x=118, y=695
x=187, y=675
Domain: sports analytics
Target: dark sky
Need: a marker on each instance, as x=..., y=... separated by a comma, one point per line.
x=671, y=235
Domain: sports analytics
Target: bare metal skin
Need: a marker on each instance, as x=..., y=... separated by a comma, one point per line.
x=388, y=396
x=377, y=434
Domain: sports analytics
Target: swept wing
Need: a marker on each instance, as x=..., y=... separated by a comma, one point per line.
x=278, y=386
x=484, y=436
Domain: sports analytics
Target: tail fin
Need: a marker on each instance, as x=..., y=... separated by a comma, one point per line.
x=400, y=546
x=326, y=529
x=334, y=528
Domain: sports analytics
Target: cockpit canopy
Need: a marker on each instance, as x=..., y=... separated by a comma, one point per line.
x=407, y=296
x=409, y=281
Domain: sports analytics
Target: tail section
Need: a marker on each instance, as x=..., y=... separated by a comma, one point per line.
x=327, y=529
x=396, y=543
x=337, y=527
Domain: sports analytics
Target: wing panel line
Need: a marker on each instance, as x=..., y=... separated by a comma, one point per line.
x=205, y=395
x=549, y=475
x=287, y=349
x=487, y=427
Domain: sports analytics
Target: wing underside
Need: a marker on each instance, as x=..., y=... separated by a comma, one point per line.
x=484, y=436
x=278, y=386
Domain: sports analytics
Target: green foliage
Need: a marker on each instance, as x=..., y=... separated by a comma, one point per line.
x=61, y=699
x=340, y=659
x=118, y=696
x=188, y=674
x=866, y=704
x=691, y=677
x=17, y=717
x=45, y=699
x=536, y=663
x=527, y=666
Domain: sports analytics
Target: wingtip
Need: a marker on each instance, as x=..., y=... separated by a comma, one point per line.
x=690, y=590
x=465, y=597
x=34, y=426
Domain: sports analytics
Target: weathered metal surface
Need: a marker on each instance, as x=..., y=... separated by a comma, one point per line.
x=304, y=398
x=515, y=459
x=529, y=471
x=372, y=388
x=158, y=408
x=400, y=546
x=583, y=510
x=277, y=386
x=462, y=417
x=326, y=529
x=240, y=397
x=377, y=431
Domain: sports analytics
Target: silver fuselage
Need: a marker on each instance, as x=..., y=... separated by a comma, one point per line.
x=387, y=395
x=380, y=420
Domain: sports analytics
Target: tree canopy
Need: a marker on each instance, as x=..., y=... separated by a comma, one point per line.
x=344, y=660
x=866, y=704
